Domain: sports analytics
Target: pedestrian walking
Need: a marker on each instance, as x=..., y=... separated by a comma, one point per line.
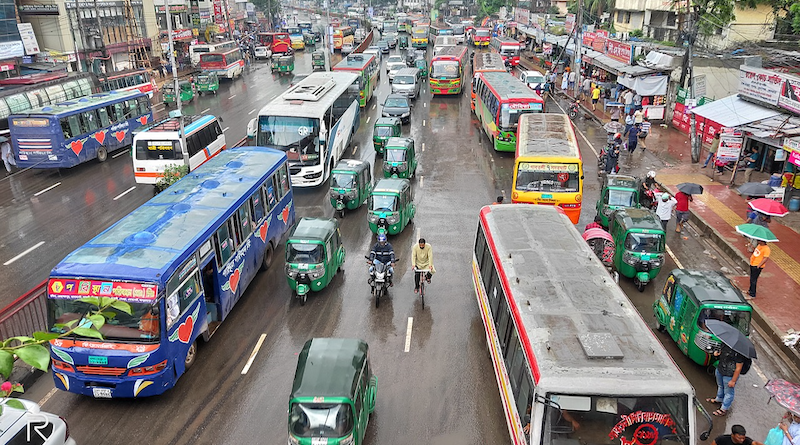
x=712, y=151
x=664, y=209
x=758, y=260
x=595, y=97
x=644, y=130
x=565, y=82
x=615, y=113
x=790, y=425
x=587, y=87
x=682, y=209
x=637, y=102
x=738, y=436
x=627, y=98
x=638, y=115
x=752, y=162
x=7, y=154
x=573, y=76
x=630, y=120
x=728, y=371
x=633, y=137
x=611, y=159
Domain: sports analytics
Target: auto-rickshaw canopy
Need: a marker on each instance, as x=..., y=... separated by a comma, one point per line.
x=329, y=367
x=708, y=286
x=313, y=229
x=638, y=219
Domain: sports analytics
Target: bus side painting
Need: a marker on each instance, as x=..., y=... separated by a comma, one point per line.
x=343, y=35
x=484, y=63
x=548, y=168
x=69, y=133
x=179, y=264
x=228, y=64
x=448, y=70
x=500, y=99
x=139, y=79
x=367, y=68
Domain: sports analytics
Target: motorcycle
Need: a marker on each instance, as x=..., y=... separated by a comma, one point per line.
x=601, y=160
x=379, y=278
x=573, y=110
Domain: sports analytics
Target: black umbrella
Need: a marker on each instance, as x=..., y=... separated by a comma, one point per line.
x=690, y=188
x=732, y=337
x=754, y=189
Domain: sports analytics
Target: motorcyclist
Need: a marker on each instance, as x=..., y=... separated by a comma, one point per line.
x=382, y=252
x=650, y=180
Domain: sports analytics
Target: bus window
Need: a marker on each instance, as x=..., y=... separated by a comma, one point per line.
x=223, y=244
x=269, y=189
x=65, y=127
x=257, y=207
x=144, y=105
x=284, y=181
x=119, y=112
x=245, y=223
x=88, y=121
x=182, y=299
x=193, y=145
x=104, y=120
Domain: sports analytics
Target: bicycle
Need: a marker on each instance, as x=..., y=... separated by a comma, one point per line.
x=423, y=279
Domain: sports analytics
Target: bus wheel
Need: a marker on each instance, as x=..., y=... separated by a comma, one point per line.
x=269, y=256
x=102, y=154
x=191, y=355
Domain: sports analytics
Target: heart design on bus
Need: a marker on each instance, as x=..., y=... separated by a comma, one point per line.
x=100, y=136
x=143, y=120
x=234, y=280
x=285, y=213
x=185, y=330
x=76, y=146
x=120, y=135
x=262, y=231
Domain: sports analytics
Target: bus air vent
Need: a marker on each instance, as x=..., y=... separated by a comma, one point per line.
x=356, y=57
x=309, y=91
x=600, y=345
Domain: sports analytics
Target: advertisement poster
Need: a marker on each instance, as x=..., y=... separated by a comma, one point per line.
x=730, y=144
x=790, y=94
x=28, y=38
x=622, y=52
x=759, y=84
x=569, y=23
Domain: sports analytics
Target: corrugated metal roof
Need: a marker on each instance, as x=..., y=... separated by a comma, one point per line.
x=733, y=111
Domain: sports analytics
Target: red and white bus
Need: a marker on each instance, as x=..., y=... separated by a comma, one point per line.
x=509, y=49
x=572, y=356
x=228, y=64
x=481, y=36
x=130, y=80
x=448, y=72
x=279, y=42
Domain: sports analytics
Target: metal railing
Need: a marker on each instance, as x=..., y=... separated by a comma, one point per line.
x=27, y=314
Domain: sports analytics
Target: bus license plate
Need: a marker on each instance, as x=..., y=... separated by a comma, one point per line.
x=98, y=360
x=101, y=393
x=547, y=196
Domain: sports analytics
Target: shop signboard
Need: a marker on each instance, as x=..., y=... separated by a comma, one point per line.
x=522, y=15
x=569, y=22
x=699, y=85
x=599, y=43
x=730, y=144
x=762, y=85
x=793, y=147
x=790, y=94
x=619, y=51
x=38, y=9
x=174, y=9
x=28, y=38
x=588, y=38
x=547, y=48
x=9, y=50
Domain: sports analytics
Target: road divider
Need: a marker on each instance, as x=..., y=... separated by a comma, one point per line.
x=124, y=193
x=408, y=333
x=254, y=354
x=47, y=189
x=25, y=252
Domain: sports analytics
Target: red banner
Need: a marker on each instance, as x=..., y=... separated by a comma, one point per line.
x=74, y=289
x=588, y=38
x=622, y=52
x=599, y=43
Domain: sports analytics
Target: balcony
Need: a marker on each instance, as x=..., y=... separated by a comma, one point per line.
x=664, y=34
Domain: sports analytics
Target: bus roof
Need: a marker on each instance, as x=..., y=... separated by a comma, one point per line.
x=172, y=124
x=508, y=87
x=546, y=134
x=354, y=62
x=484, y=62
x=577, y=325
x=312, y=96
x=146, y=244
x=69, y=106
x=450, y=52
x=507, y=41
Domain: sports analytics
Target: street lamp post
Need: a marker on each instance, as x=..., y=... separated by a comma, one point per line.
x=176, y=85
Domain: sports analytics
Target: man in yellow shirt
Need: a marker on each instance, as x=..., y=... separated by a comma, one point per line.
x=757, y=261
x=422, y=259
x=595, y=97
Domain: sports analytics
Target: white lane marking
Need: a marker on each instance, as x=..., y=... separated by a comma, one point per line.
x=225, y=129
x=355, y=149
x=47, y=189
x=47, y=397
x=423, y=146
x=29, y=250
x=232, y=97
x=374, y=105
x=124, y=152
x=273, y=96
x=596, y=154
x=205, y=111
x=368, y=118
x=425, y=105
x=421, y=181
x=251, y=111
x=408, y=333
x=674, y=258
x=124, y=193
x=253, y=354
x=423, y=122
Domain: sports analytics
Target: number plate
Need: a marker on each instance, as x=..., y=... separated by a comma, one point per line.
x=98, y=360
x=547, y=196
x=101, y=393
x=319, y=441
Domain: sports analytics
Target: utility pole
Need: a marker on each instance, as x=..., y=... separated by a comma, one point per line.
x=578, y=47
x=74, y=40
x=176, y=85
x=83, y=38
x=688, y=73
x=103, y=51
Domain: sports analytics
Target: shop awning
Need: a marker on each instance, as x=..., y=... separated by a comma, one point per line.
x=774, y=127
x=733, y=112
x=646, y=85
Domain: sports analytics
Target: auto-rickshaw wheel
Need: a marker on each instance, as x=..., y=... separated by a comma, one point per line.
x=199, y=93
x=303, y=299
x=340, y=213
x=377, y=299
x=639, y=285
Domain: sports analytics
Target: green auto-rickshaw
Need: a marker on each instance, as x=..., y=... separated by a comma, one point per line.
x=351, y=183
x=186, y=88
x=314, y=253
x=391, y=206
x=422, y=66
x=690, y=298
x=640, y=244
x=399, y=158
x=333, y=393
x=207, y=81
x=283, y=63
x=618, y=192
x=402, y=42
x=318, y=60
x=385, y=128
x=309, y=39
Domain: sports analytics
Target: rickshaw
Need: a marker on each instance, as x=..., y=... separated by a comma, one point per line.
x=391, y=206
x=385, y=128
x=690, y=298
x=318, y=60
x=618, y=192
x=309, y=39
x=640, y=244
x=422, y=66
x=402, y=42
x=186, y=91
x=399, y=158
x=602, y=244
x=351, y=183
x=333, y=393
x=314, y=253
x=282, y=63
x=207, y=81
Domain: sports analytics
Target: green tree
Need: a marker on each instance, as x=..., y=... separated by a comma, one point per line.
x=713, y=15
x=787, y=16
x=172, y=173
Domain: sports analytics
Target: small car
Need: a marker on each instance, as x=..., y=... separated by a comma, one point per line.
x=397, y=105
x=375, y=51
x=384, y=46
x=44, y=428
x=533, y=79
x=347, y=48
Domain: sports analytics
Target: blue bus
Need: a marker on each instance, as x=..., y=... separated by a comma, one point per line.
x=68, y=133
x=179, y=263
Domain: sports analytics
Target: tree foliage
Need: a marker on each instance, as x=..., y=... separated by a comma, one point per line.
x=787, y=15
x=172, y=173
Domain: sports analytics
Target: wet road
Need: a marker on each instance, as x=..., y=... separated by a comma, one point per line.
x=441, y=390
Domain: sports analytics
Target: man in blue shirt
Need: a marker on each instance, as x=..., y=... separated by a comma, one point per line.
x=752, y=161
x=633, y=137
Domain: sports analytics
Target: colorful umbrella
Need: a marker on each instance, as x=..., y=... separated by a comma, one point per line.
x=768, y=207
x=614, y=127
x=754, y=189
x=787, y=394
x=732, y=337
x=690, y=188
x=757, y=232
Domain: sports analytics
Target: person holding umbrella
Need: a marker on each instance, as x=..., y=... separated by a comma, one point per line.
x=728, y=370
x=757, y=262
x=684, y=197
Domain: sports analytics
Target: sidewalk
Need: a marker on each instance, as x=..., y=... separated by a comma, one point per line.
x=716, y=213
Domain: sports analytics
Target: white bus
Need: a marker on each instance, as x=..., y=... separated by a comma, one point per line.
x=574, y=360
x=158, y=146
x=201, y=48
x=313, y=122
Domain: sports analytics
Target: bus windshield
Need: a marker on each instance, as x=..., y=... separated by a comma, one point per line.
x=298, y=136
x=445, y=69
x=611, y=420
x=545, y=177
x=304, y=253
x=212, y=58
x=482, y=33
x=141, y=325
x=509, y=51
x=644, y=242
x=321, y=420
x=509, y=116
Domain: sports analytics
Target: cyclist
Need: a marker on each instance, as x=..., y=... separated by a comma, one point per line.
x=422, y=259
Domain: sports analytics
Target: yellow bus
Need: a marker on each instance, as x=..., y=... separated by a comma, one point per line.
x=548, y=168
x=419, y=37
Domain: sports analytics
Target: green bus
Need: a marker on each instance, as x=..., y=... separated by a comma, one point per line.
x=367, y=68
x=500, y=99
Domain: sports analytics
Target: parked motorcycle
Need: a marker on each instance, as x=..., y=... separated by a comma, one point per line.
x=573, y=110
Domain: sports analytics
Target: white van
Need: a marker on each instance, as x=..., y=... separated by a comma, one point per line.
x=406, y=82
x=158, y=146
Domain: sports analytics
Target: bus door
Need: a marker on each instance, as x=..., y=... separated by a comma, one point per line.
x=211, y=292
